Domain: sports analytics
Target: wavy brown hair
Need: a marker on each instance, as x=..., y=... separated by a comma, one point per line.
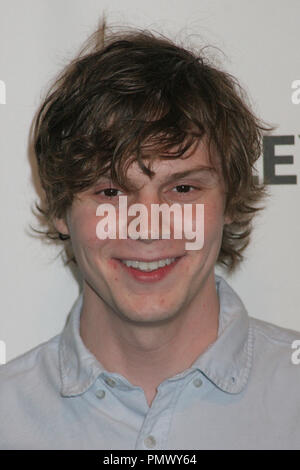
x=132, y=93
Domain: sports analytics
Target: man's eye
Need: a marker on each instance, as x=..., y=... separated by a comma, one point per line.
x=109, y=192
x=184, y=188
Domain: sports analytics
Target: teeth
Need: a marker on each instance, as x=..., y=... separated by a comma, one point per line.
x=151, y=266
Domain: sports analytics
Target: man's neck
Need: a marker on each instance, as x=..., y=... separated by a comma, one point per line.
x=147, y=355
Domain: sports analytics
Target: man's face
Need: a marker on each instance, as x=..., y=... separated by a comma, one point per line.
x=161, y=294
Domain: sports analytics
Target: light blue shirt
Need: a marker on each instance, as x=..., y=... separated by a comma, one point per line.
x=243, y=392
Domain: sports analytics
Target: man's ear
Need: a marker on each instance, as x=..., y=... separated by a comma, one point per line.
x=61, y=226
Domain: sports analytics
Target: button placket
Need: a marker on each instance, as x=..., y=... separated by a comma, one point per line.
x=197, y=382
x=110, y=382
x=155, y=429
x=150, y=442
x=100, y=393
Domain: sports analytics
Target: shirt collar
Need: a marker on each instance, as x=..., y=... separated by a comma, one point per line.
x=79, y=368
x=226, y=362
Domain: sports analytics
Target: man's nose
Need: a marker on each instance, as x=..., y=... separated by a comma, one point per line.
x=150, y=229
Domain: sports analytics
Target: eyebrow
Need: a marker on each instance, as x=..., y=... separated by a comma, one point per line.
x=191, y=172
x=175, y=176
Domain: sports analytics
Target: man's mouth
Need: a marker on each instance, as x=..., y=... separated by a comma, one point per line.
x=146, y=266
x=149, y=271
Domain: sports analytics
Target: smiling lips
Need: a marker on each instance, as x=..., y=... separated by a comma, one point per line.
x=149, y=271
x=148, y=266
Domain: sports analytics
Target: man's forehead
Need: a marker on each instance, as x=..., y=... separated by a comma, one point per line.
x=199, y=160
x=196, y=158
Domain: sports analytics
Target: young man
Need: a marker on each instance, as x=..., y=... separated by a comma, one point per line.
x=158, y=352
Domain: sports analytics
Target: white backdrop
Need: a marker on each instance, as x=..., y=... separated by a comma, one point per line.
x=260, y=40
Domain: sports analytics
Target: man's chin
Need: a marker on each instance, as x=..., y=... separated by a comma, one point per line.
x=147, y=316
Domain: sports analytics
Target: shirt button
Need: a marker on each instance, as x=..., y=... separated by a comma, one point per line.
x=100, y=394
x=197, y=382
x=150, y=442
x=110, y=382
